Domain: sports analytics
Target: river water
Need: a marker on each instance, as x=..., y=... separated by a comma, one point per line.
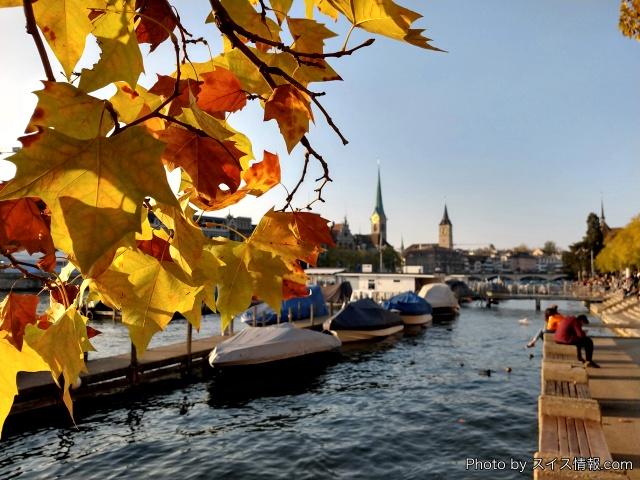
x=413, y=407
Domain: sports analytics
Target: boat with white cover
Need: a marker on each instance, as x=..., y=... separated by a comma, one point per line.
x=412, y=308
x=442, y=299
x=260, y=345
x=364, y=320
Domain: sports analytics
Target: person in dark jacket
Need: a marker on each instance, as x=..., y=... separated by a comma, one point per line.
x=570, y=332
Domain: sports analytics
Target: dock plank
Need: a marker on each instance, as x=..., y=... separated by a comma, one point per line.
x=563, y=436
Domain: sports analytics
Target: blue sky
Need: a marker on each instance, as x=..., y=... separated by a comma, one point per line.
x=529, y=117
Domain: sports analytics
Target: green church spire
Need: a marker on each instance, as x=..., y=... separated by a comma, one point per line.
x=379, y=209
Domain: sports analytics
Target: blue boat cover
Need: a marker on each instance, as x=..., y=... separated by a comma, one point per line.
x=364, y=314
x=300, y=309
x=408, y=303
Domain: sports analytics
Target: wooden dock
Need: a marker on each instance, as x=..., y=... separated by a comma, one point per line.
x=589, y=413
x=118, y=374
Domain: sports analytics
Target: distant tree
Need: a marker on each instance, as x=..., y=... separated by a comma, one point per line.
x=577, y=260
x=522, y=248
x=623, y=250
x=630, y=18
x=550, y=248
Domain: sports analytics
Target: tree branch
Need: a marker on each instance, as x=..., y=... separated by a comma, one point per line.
x=32, y=29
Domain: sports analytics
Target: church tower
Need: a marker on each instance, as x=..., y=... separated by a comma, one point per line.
x=378, y=219
x=445, y=237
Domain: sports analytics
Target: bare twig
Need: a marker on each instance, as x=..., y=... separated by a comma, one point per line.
x=32, y=29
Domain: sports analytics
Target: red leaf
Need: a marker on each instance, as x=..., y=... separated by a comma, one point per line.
x=92, y=332
x=16, y=312
x=70, y=290
x=157, y=21
x=24, y=225
x=156, y=247
x=291, y=289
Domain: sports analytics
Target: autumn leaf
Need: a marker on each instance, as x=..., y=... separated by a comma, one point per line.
x=292, y=110
x=293, y=235
x=208, y=162
x=62, y=346
x=281, y=9
x=156, y=247
x=165, y=87
x=10, y=3
x=157, y=21
x=221, y=92
x=186, y=240
x=383, y=17
x=133, y=103
x=259, y=179
x=94, y=196
x=118, y=61
x=65, y=25
x=308, y=35
x=262, y=176
x=14, y=361
x=25, y=225
x=323, y=6
x=246, y=16
x=16, y=312
x=70, y=293
x=148, y=292
x=70, y=111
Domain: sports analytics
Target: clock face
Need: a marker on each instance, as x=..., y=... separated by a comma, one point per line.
x=375, y=218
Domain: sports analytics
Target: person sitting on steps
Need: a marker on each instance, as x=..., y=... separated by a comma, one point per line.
x=551, y=320
x=570, y=332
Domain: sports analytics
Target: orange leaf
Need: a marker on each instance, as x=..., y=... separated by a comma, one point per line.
x=156, y=247
x=262, y=176
x=291, y=289
x=165, y=87
x=221, y=92
x=156, y=22
x=292, y=110
x=16, y=312
x=24, y=225
x=259, y=179
x=208, y=162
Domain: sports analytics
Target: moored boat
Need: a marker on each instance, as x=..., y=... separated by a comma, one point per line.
x=412, y=308
x=296, y=309
x=441, y=298
x=262, y=345
x=364, y=320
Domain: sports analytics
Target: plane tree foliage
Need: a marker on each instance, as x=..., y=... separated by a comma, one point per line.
x=92, y=171
x=622, y=249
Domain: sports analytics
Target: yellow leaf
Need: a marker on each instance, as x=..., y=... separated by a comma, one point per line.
x=308, y=35
x=148, y=292
x=65, y=25
x=118, y=61
x=281, y=8
x=131, y=104
x=323, y=6
x=246, y=16
x=187, y=241
x=292, y=110
x=62, y=346
x=14, y=361
x=10, y=3
x=383, y=17
x=70, y=111
x=94, y=195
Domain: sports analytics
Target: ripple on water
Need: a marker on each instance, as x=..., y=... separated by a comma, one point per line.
x=412, y=407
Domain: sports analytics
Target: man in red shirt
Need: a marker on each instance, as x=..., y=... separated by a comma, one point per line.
x=569, y=332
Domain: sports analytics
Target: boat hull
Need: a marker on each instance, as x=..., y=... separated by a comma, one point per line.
x=424, y=319
x=364, y=335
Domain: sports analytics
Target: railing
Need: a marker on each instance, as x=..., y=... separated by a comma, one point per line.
x=564, y=289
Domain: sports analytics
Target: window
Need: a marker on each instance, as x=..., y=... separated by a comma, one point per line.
x=371, y=284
